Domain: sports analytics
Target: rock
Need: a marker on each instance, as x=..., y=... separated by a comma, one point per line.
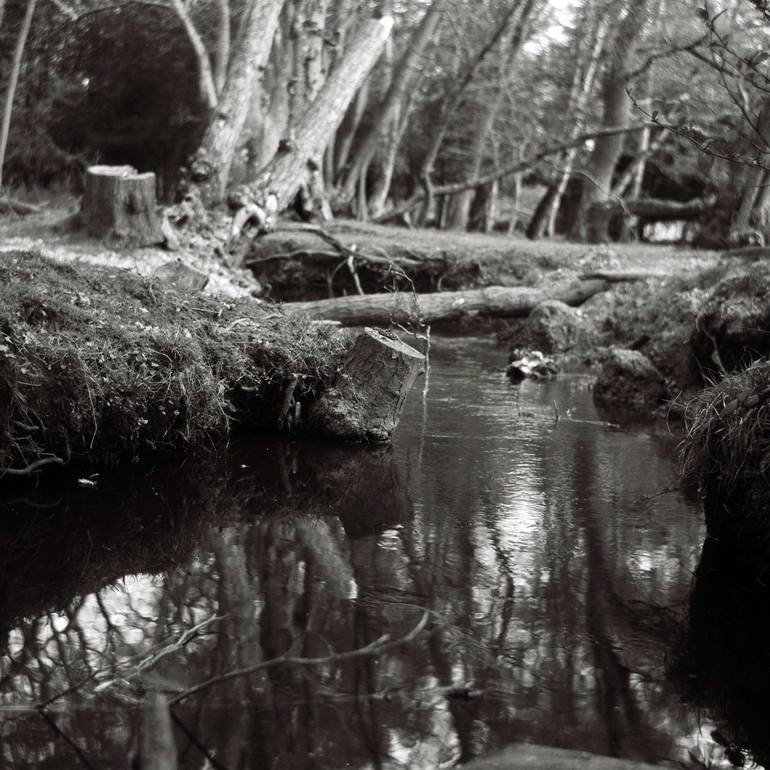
x=628, y=381
x=553, y=327
x=181, y=276
x=733, y=326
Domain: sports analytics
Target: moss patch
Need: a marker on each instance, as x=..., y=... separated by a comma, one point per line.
x=105, y=365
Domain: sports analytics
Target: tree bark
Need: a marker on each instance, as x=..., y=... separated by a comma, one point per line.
x=13, y=81
x=596, y=184
x=394, y=98
x=384, y=309
x=119, y=206
x=210, y=167
x=282, y=177
x=366, y=401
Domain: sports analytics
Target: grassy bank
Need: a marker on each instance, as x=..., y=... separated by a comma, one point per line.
x=102, y=364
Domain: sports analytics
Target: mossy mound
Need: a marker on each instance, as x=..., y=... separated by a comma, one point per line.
x=733, y=327
x=103, y=365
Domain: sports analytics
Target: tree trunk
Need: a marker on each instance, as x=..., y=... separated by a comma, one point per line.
x=405, y=308
x=119, y=206
x=460, y=205
x=13, y=80
x=206, y=85
x=578, y=101
x=402, y=80
x=349, y=127
x=210, y=167
x=744, y=219
x=281, y=178
x=450, y=104
x=596, y=184
x=157, y=748
x=366, y=401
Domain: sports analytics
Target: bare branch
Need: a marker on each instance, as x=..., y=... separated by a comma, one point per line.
x=376, y=648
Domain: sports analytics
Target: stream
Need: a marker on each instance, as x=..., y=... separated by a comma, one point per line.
x=537, y=559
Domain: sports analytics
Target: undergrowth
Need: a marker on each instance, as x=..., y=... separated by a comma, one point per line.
x=728, y=429
x=103, y=364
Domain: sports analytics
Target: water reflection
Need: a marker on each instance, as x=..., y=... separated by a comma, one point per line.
x=551, y=566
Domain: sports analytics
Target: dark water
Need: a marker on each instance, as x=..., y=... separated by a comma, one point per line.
x=542, y=567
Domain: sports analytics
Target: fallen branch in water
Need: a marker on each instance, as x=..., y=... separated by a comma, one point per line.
x=377, y=647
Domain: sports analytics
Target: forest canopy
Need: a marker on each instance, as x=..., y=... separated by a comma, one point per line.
x=591, y=119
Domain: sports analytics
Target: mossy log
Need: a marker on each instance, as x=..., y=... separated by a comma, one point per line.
x=119, y=206
x=366, y=401
x=408, y=308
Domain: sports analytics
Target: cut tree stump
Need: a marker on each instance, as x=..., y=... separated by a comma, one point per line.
x=119, y=207
x=366, y=401
x=407, y=308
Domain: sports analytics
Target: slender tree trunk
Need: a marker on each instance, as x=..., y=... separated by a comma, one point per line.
x=206, y=85
x=211, y=165
x=743, y=219
x=450, y=104
x=349, y=127
x=222, y=56
x=460, y=206
x=596, y=183
x=582, y=88
x=515, y=203
x=403, y=78
x=13, y=81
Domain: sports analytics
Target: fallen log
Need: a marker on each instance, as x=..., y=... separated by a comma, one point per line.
x=410, y=308
x=655, y=209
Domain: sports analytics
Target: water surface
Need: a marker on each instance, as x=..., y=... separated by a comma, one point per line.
x=545, y=564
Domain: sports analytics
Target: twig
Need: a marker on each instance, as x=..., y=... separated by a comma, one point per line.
x=377, y=647
x=351, y=264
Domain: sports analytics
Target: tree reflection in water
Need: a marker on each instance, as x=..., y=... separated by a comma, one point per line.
x=552, y=585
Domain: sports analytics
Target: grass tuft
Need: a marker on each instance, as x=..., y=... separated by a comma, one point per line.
x=103, y=364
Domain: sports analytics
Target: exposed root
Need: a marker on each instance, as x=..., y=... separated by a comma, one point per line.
x=31, y=468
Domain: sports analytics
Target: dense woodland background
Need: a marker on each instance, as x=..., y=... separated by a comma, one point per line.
x=475, y=114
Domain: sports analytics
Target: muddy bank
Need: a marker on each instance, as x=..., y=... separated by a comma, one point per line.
x=102, y=365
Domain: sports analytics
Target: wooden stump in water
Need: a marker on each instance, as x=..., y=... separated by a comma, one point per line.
x=366, y=401
x=119, y=206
